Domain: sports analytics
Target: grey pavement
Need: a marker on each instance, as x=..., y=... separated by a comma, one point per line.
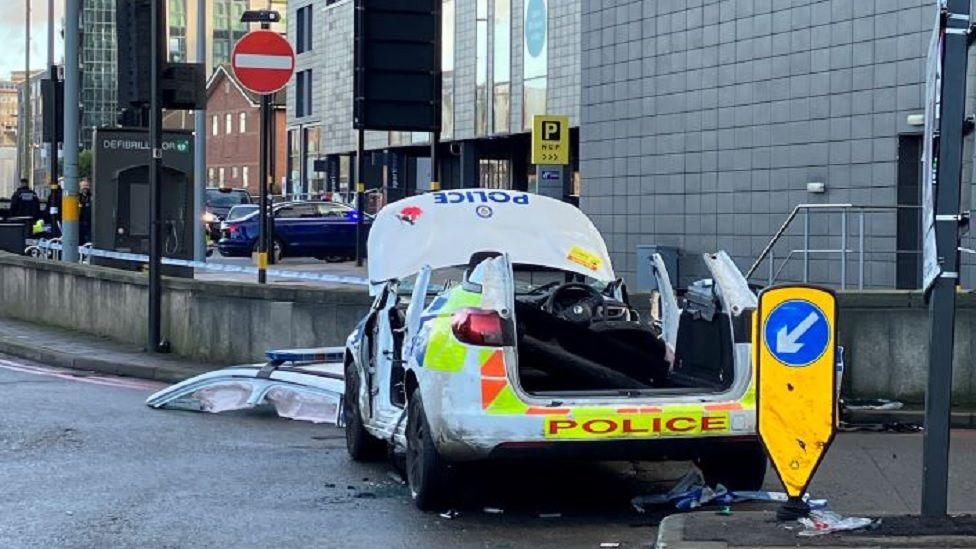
x=69, y=349
x=84, y=463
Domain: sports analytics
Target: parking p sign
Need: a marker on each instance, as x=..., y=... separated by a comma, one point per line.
x=550, y=140
x=796, y=397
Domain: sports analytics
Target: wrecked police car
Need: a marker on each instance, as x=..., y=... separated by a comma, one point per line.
x=499, y=330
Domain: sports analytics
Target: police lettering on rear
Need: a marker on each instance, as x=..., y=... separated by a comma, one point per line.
x=480, y=197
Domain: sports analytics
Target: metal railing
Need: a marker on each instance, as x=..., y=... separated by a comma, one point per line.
x=844, y=212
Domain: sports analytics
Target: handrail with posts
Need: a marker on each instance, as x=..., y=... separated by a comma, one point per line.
x=845, y=210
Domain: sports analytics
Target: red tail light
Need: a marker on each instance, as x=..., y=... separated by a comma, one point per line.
x=482, y=327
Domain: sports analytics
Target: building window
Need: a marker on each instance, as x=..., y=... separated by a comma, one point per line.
x=481, y=69
x=303, y=93
x=447, y=68
x=228, y=124
x=242, y=122
x=314, y=181
x=535, y=54
x=245, y=175
x=221, y=172
x=214, y=125
x=295, y=160
x=494, y=173
x=210, y=176
x=501, y=66
x=303, y=29
x=233, y=173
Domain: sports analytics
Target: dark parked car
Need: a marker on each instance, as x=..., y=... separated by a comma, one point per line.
x=218, y=205
x=324, y=230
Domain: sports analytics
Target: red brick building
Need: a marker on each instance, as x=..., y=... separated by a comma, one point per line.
x=233, y=127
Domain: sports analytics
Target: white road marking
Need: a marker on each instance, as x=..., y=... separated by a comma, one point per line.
x=67, y=375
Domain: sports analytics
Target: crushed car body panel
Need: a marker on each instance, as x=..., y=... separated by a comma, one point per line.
x=293, y=383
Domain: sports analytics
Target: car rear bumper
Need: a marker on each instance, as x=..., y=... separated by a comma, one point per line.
x=234, y=248
x=657, y=435
x=671, y=449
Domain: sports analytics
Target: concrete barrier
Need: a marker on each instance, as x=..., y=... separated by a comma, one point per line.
x=885, y=332
x=215, y=322
x=886, y=335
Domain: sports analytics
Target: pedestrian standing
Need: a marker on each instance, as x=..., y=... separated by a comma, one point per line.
x=85, y=203
x=25, y=203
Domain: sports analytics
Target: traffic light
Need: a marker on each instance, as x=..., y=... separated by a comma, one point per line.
x=182, y=84
x=397, y=65
x=133, y=28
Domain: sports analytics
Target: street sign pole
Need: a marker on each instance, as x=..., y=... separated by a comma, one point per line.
x=263, y=63
x=72, y=210
x=360, y=193
x=942, y=304
x=54, y=201
x=200, y=146
x=263, y=195
x=263, y=188
x=154, y=342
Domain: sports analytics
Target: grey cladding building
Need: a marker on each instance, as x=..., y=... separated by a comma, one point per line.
x=698, y=124
x=704, y=122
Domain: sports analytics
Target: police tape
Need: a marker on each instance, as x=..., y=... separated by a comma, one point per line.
x=88, y=252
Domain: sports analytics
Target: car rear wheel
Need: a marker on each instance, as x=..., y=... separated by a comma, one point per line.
x=361, y=445
x=735, y=466
x=427, y=472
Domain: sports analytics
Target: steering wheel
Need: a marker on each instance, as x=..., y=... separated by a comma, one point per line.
x=575, y=302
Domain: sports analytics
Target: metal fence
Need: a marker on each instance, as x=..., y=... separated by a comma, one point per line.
x=845, y=248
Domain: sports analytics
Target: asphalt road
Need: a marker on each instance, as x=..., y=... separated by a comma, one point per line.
x=83, y=463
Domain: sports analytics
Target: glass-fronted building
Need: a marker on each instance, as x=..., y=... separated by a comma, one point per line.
x=502, y=62
x=99, y=50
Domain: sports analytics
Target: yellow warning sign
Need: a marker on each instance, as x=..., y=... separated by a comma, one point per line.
x=550, y=139
x=796, y=399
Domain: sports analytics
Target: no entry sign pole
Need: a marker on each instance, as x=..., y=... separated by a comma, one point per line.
x=263, y=62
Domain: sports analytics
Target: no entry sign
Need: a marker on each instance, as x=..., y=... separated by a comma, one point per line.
x=263, y=61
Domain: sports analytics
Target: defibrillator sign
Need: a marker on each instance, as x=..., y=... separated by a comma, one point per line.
x=796, y=397
x=550, y=139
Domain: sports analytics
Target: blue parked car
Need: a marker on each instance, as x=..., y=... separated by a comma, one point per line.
x=323, y=230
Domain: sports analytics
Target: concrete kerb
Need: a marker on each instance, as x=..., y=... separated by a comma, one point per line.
x=744, y=527
x=168, y=373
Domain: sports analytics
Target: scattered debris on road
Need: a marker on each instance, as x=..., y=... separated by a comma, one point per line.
x=691, y=492
x=874, y=404
x=822, y=522
x=449, y=515
x=888, y=427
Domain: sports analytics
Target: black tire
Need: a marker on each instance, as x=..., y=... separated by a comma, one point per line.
x=428, y=474
x=740, y=466
x=361, y=445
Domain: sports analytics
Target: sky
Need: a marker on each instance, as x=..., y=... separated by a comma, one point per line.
x=12, y=26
